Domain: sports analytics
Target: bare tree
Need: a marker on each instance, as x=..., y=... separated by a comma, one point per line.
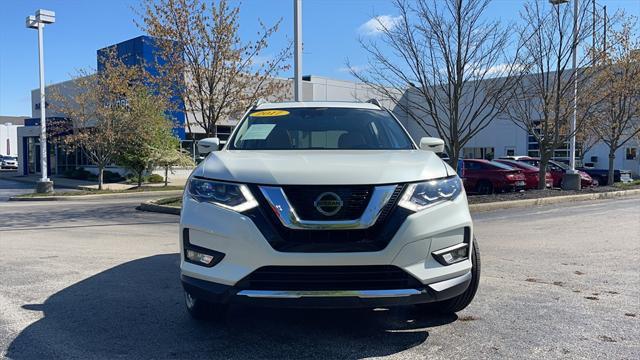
x=203, y=61
x=543, y=105
x=616, y=120
x=449, y=63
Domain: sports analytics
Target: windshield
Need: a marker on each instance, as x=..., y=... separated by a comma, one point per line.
x=501, y=166
x=320, y=129
x=518, y=164
x=559, y=164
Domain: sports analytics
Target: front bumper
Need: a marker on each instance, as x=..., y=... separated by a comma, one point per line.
x=225, y=294
x=246, y=250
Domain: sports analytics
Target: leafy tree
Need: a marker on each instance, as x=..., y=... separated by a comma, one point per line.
x=151, y=131
x=169, y=156
x=96, y=104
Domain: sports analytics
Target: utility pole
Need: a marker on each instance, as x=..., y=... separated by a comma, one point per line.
x=571, y=179
x=38, y=21
x=572, y=142
x=297, y=49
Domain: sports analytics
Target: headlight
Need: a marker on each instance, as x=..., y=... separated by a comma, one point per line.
x=235, y=197
x=422, y=195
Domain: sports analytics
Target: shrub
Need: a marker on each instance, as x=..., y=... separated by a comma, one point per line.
x=78, y=174
x=111, y=177
x=155, y=178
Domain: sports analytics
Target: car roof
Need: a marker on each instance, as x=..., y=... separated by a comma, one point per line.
x=515, y=157
x=316, y=104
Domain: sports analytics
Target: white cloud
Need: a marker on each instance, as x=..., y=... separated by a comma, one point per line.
x=356, y=68
x=496, y=70
x=376, y=25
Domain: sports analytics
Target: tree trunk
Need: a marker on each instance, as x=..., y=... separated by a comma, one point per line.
x=100, y=177
x=454, y=155
x=166, y=176
x=542, y=172
x=612, y=157
x=140, y=178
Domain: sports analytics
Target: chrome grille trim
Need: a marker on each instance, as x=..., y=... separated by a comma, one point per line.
x=281, y=206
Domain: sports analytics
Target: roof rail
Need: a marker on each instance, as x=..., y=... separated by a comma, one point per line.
x=259, y=102
x=375, y=102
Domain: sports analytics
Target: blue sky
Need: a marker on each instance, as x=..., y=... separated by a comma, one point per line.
x=330, y=31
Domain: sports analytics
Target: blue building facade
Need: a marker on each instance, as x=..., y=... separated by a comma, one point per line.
x=143, y=51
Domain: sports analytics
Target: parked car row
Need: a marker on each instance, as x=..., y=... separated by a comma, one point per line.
x=602, y=175
x=513, y=173
x=557, y=170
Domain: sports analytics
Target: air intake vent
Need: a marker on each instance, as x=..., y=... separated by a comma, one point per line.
x=369, y=277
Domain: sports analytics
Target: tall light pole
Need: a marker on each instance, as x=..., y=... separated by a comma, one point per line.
x=571, y=180
x=297, y=49
x=38, y=21
x=572, y=141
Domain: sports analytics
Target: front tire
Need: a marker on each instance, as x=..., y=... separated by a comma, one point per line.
x=463, y=300
x=203, y=310
x=484, y=187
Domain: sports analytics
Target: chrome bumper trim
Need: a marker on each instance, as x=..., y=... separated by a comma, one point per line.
x=444, y=285
x=276, y=294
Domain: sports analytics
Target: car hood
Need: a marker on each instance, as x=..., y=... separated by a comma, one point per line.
x=322, y=167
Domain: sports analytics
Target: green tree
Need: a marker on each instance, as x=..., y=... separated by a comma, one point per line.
x=146, y=115
x=170, y=155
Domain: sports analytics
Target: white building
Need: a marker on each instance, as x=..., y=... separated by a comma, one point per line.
x=9, y=134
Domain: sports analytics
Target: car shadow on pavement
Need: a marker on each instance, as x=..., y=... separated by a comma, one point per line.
x=135, y=310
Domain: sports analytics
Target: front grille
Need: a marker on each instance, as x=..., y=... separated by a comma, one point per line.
x=366, y=277
x=355, y=199
x=284, y=239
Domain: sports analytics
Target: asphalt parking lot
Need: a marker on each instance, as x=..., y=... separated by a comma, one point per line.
x=99, y=280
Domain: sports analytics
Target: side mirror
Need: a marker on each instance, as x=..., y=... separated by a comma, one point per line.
x=432, y=144
x=208, y=145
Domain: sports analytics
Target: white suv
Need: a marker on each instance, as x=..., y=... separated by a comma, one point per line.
x=325, y=204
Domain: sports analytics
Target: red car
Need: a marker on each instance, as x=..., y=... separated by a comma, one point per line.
x=557, y=171
x=530, y=173
x=486, y=177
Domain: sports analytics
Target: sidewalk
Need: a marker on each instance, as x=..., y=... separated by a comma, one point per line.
x=58, y=182
x=66, y=183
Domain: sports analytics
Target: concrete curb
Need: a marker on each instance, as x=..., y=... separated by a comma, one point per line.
x=550, y=200
x=474, y=208
x=154, y=194
x=151, y=206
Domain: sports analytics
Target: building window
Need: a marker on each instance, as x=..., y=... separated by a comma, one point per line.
x=223, y=132
x=487, y=153
x=510, y=151
x=631, y=153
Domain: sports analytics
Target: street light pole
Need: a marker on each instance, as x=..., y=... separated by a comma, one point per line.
x=297, y=49
x=572, y=141
x=571, y=179
x=38, y=21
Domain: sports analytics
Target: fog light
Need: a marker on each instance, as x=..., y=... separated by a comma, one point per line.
x=199, y=257
x=453, y=254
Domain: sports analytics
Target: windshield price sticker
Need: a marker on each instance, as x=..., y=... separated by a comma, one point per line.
x=269, y=113
x=258, y=131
